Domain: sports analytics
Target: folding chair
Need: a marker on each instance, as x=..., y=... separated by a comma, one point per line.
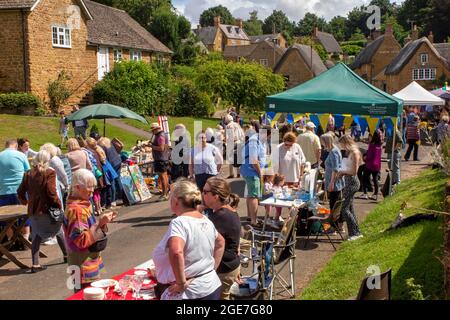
x=383, y=292
x=272, y=252
x=331, y=219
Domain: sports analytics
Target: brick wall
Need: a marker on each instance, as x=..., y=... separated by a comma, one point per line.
x=47, y=61
x=295, y=68
x=446, y=257
x=11, y=57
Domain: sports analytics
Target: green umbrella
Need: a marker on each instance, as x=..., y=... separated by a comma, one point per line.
x=104, y=111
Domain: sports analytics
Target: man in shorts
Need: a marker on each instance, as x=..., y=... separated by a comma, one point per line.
x=160, y=151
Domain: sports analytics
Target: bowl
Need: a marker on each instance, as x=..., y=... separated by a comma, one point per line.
x=104, y=283
x=93, y=293
x=141, y=273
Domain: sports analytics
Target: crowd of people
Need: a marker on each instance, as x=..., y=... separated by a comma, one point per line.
x=198, y=257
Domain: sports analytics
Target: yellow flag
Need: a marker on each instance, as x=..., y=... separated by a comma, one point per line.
x=323, y=119
x=372, y=122
x=297, y=116
x=348, y=120
x=275, y=119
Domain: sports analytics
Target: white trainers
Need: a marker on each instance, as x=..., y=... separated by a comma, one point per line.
x=114, y=204
x=355, y=238
x=50, y=242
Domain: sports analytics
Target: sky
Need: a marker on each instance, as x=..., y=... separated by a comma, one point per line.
x=294, y=9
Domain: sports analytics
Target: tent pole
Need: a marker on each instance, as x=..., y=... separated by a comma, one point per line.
x=104, y=127
x=394, y=136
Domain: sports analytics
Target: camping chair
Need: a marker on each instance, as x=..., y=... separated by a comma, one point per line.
x=272, y=252
x=331, y=219
x=384, y=291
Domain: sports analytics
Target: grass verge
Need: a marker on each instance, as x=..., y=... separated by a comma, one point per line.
x=40, y=130
x=412, y=252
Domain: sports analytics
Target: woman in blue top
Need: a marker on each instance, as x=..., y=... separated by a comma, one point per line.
x=333, y=183
x=206, y=161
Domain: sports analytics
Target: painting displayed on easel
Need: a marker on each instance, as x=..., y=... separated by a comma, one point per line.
x=129, y=186
x=139, y=182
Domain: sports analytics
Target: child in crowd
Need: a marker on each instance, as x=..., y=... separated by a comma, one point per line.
x=63, y=128
x=268, y=192
x=277, y=189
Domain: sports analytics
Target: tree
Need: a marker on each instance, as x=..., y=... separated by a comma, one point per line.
x=358, y=35
x=253, y=26
x=310, y=21
x=207, y=16
x=356, y=19
x=184, y=27
x=280, y=21
x=187, y=52
x=386, y=7
x=164, y=26
x=337, y=27
x=399, y=33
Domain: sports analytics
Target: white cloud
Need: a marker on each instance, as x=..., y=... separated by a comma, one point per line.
x=294, y=9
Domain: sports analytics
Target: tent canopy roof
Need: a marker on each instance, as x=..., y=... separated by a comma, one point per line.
x=415, y=95
x=339, y=91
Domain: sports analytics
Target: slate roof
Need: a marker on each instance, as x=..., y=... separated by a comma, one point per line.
x=17, y=4
x=329, y=64
x=366, y=54
x=407, y=53
x=233, y=32
x=206, y=34
x=263, y=37
x=328, y=42
x=247, y=50
x=305, y=52
x=114, y=27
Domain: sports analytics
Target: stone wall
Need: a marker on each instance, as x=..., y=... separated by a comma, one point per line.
x=47, y=61
x=446, y=257
x=11, y=57
x=295, y=69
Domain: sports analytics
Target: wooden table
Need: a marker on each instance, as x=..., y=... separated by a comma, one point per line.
x=10, y=215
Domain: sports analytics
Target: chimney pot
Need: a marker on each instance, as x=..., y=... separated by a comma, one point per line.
x=316, y=31
x=216, y=21
x=431, y=37
x=240, y=23
x=414, y=33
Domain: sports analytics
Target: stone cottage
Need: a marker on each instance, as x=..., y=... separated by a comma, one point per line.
x=276, y=38
x=265, y=53
x=41, y=38
x=329, y=43
x=299, y=64
x=378, y=53
x=219, y=36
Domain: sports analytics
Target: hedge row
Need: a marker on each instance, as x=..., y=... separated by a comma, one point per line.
x=17, y=102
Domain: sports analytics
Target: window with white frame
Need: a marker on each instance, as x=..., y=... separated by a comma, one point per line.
x=118, y=55
x=135, y=55
x=424, y=58
x=61, y=37
x=264, y=62
x=424, y=74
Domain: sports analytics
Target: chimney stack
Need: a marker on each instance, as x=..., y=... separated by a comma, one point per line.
x=316, y=31
x=240, y=23
x=216, y=21
x=389, y=30
x=431, y=37
x=414, y=33
x=199, y=27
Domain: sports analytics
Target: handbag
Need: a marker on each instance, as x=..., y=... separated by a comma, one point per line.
x=56, y=215
x=98, y=174
x=99, y=245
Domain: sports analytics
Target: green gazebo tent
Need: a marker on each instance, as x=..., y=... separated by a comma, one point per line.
x=337, y=91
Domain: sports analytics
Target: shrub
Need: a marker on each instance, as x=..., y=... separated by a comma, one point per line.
x=139, y=86
x=191, y=101
x=18, y=102
x=58, y=91
x=351, y=50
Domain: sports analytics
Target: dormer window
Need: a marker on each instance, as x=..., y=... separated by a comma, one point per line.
x=424, y=58
x=229, y=29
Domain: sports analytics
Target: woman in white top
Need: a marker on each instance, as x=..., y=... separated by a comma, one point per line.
x=291, y=159
x=56, y=163
x=187, y=257
x=206, y=161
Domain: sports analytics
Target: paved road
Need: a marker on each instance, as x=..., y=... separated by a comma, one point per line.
x=137, y=231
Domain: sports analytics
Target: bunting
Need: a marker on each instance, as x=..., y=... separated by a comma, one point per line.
x=323, y=119
x=373, y=124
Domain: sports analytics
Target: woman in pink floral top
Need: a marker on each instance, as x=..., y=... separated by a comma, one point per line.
x=373, y=165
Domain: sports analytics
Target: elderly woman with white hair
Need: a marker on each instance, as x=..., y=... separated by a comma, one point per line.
x=57, y=164
x=82, y=230
x=38, y=191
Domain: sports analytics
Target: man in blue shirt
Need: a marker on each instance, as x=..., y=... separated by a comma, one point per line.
x=13, y=165
x=251, y=171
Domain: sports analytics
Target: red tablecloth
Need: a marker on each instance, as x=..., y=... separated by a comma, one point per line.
x=111, y=295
